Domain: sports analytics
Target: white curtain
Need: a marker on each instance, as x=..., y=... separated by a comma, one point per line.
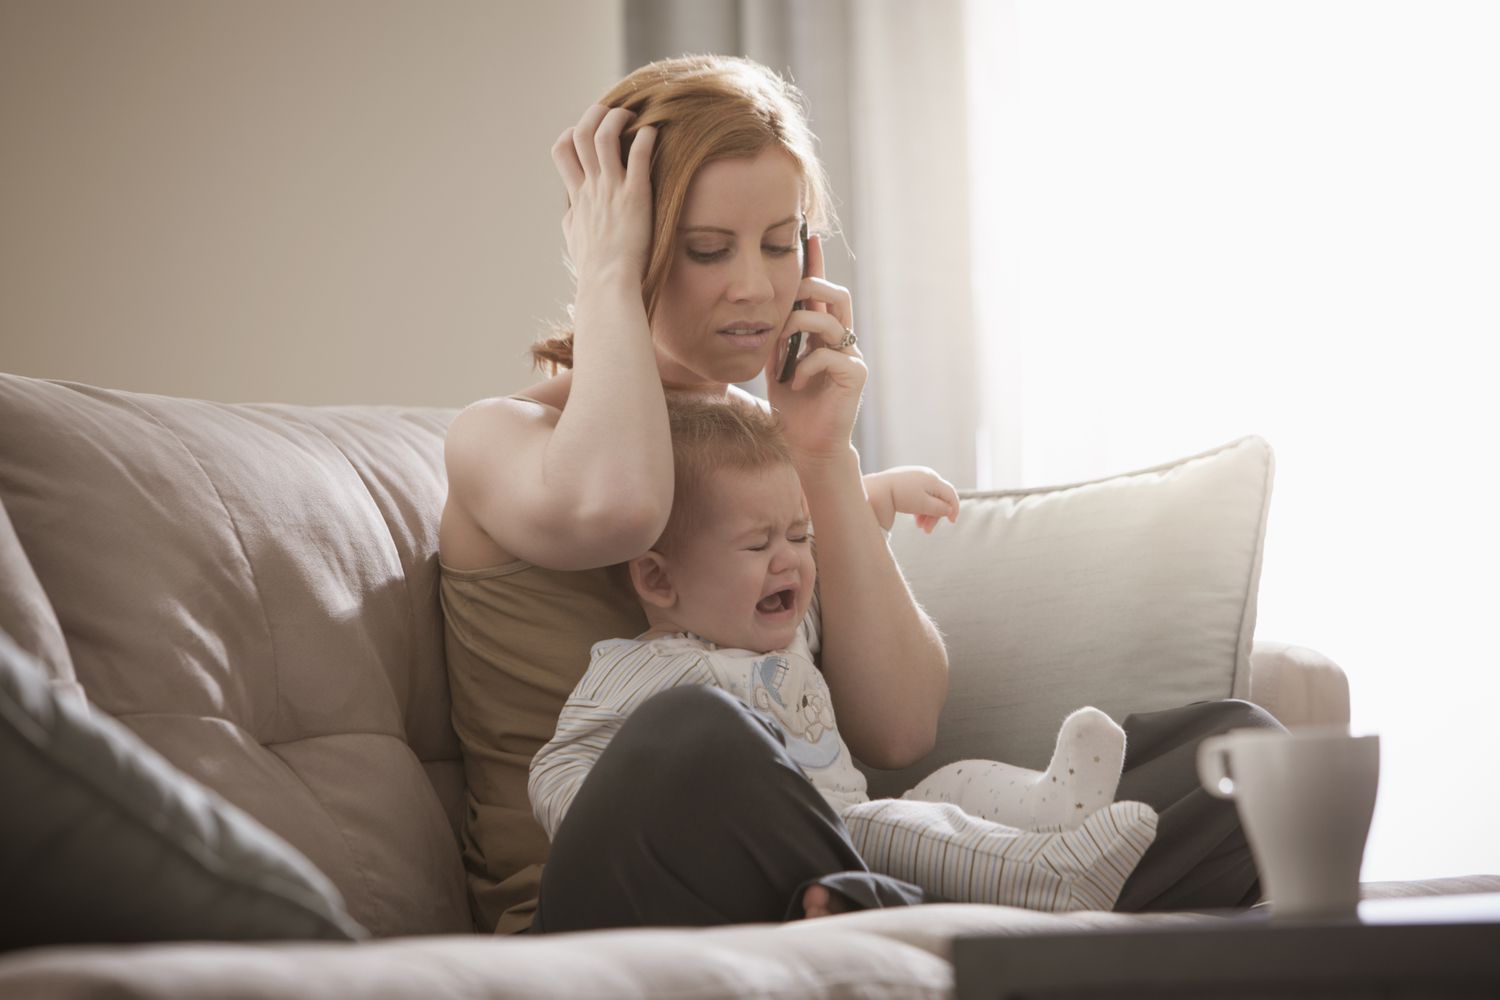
x=1198, y=220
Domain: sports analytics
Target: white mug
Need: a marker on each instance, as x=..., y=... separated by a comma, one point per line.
x=1305, y=799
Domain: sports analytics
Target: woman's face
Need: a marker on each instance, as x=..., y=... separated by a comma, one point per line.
x=734, y=273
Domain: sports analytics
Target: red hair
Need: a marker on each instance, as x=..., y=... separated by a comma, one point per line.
x=704, y=108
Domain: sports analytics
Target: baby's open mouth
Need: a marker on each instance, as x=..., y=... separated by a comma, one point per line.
x=782, y=600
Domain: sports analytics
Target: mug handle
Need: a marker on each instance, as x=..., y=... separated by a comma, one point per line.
x=1213, y=767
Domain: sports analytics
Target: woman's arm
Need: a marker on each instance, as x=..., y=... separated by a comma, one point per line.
x=594, y=485
x=882, y=657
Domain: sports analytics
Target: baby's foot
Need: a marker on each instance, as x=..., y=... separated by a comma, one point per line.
x=1081, y=779
x=1085, y=770
x=817, y=901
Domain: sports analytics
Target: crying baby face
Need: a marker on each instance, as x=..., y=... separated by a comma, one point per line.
x=744, y=579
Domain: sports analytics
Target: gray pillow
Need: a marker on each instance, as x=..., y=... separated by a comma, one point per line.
x=104, y=841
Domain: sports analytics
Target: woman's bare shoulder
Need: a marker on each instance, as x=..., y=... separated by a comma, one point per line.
x=535, y=407
x=550, y=394
x=483, y=429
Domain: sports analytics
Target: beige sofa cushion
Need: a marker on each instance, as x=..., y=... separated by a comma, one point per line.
x=1130, y=593
x=901, y=953
x=251, y=589
x=763, y=961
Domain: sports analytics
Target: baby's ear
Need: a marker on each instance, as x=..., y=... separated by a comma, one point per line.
x=653, y=584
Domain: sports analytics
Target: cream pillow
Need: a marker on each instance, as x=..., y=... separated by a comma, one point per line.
x=1131, y=593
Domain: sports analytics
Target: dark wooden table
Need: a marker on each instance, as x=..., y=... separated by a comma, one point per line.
x=1431, y=946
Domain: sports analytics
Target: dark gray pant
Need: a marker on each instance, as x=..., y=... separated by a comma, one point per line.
x=695, y=814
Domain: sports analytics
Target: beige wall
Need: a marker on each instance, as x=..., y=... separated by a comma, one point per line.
x=330, y=201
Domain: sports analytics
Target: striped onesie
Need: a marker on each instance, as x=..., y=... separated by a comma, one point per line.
x=948, y=852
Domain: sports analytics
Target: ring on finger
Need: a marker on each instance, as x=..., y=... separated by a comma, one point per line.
x=847, y=341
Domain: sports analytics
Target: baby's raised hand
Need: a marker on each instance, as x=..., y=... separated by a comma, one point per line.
x=915, y=490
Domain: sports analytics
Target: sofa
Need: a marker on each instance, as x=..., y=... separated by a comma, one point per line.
x=228, y=767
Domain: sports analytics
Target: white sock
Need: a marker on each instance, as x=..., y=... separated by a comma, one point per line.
x=1082, y=778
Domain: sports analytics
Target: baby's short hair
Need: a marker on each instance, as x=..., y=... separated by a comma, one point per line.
x=709, y=435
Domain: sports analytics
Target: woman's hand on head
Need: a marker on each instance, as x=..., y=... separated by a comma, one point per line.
x=820, y=401
x=608, y=220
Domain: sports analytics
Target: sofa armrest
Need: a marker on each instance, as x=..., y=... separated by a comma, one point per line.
x=1300, y=686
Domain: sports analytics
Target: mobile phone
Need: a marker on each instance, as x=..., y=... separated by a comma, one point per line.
x=794, y=342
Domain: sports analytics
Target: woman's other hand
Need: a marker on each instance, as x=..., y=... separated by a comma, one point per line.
x=608, y=220
x=818, y=405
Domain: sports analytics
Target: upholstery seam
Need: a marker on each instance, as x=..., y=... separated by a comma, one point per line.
x=1253, y=575
x=268, y=743
x=354, y=860
x=121, y=716
x=411, y=614
x=1027, y=491
x=244, y=553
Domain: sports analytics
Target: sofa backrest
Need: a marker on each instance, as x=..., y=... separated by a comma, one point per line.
x=252, y=589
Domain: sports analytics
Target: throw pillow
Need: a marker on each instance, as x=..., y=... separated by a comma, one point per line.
x=1132, y=593
x=104, y=841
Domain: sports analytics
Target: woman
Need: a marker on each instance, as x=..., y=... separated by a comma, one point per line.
x=687, y=187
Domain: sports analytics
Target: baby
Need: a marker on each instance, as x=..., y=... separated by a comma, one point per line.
x=729, y=593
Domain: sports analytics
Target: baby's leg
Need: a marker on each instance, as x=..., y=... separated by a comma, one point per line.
x=966, y=859
x=1083, y=776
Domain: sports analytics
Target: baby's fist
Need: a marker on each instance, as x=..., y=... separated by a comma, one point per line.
x=921, y=492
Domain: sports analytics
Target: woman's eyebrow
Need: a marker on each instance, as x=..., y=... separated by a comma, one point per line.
x=730, y=232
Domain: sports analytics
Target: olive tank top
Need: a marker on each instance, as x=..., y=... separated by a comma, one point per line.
x=518, y=639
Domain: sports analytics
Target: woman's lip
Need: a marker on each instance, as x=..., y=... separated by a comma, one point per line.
x=747, y=340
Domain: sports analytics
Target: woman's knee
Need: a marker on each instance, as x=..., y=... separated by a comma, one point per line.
x=1241, y=714
x=691, y=731
x=1209, y=718
x=682, y=705
x=1157, y=734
